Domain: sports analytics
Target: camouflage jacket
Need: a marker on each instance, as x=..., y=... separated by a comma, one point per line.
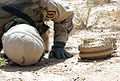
x=41, y=10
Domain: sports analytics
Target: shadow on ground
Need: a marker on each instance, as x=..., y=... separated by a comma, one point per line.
x=95, y=60
x=44, y=62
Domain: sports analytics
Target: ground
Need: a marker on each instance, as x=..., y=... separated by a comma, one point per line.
x=75, y=69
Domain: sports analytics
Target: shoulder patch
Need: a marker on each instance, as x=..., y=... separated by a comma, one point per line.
x=50, y=14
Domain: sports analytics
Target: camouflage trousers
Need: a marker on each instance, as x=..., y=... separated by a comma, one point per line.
x=45, y=37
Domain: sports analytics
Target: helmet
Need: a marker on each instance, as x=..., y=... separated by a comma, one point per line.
x=23, y=44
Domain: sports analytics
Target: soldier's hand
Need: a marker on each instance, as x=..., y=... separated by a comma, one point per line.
x=59, y=52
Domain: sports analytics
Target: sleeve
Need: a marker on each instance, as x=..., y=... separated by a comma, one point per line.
x=60, y=14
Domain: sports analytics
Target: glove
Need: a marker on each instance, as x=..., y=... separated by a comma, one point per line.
x=58, y=51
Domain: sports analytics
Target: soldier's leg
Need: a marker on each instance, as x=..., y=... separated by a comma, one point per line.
x=1, y=46
x=45, y=37
x=2, y=54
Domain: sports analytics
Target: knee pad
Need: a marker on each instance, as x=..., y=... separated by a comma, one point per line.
x=23, y=44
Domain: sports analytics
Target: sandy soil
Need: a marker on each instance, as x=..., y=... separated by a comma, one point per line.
x=75, y=69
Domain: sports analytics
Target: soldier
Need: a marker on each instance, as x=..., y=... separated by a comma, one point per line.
x=39, y=11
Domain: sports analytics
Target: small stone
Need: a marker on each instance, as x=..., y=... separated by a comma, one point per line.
x=65, y=65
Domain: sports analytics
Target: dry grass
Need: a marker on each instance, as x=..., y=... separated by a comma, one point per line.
x=86, y=18
x=3, y=62
x=98, y=2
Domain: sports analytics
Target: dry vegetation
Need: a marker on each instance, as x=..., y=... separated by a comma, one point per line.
x=98, y=2
x=3, y=62
x=85, y=18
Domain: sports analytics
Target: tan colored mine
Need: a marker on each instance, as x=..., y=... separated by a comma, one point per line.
x=97, y=55
x=97, y=48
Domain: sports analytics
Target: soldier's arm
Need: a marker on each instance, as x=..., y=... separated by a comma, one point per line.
x=60, y=13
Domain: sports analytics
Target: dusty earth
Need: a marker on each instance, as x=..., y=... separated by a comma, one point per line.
x=75, y=69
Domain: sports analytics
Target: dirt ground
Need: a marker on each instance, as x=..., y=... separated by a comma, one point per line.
x=75, y=69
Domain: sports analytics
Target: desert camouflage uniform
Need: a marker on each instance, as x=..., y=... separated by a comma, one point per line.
x=40, y=10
